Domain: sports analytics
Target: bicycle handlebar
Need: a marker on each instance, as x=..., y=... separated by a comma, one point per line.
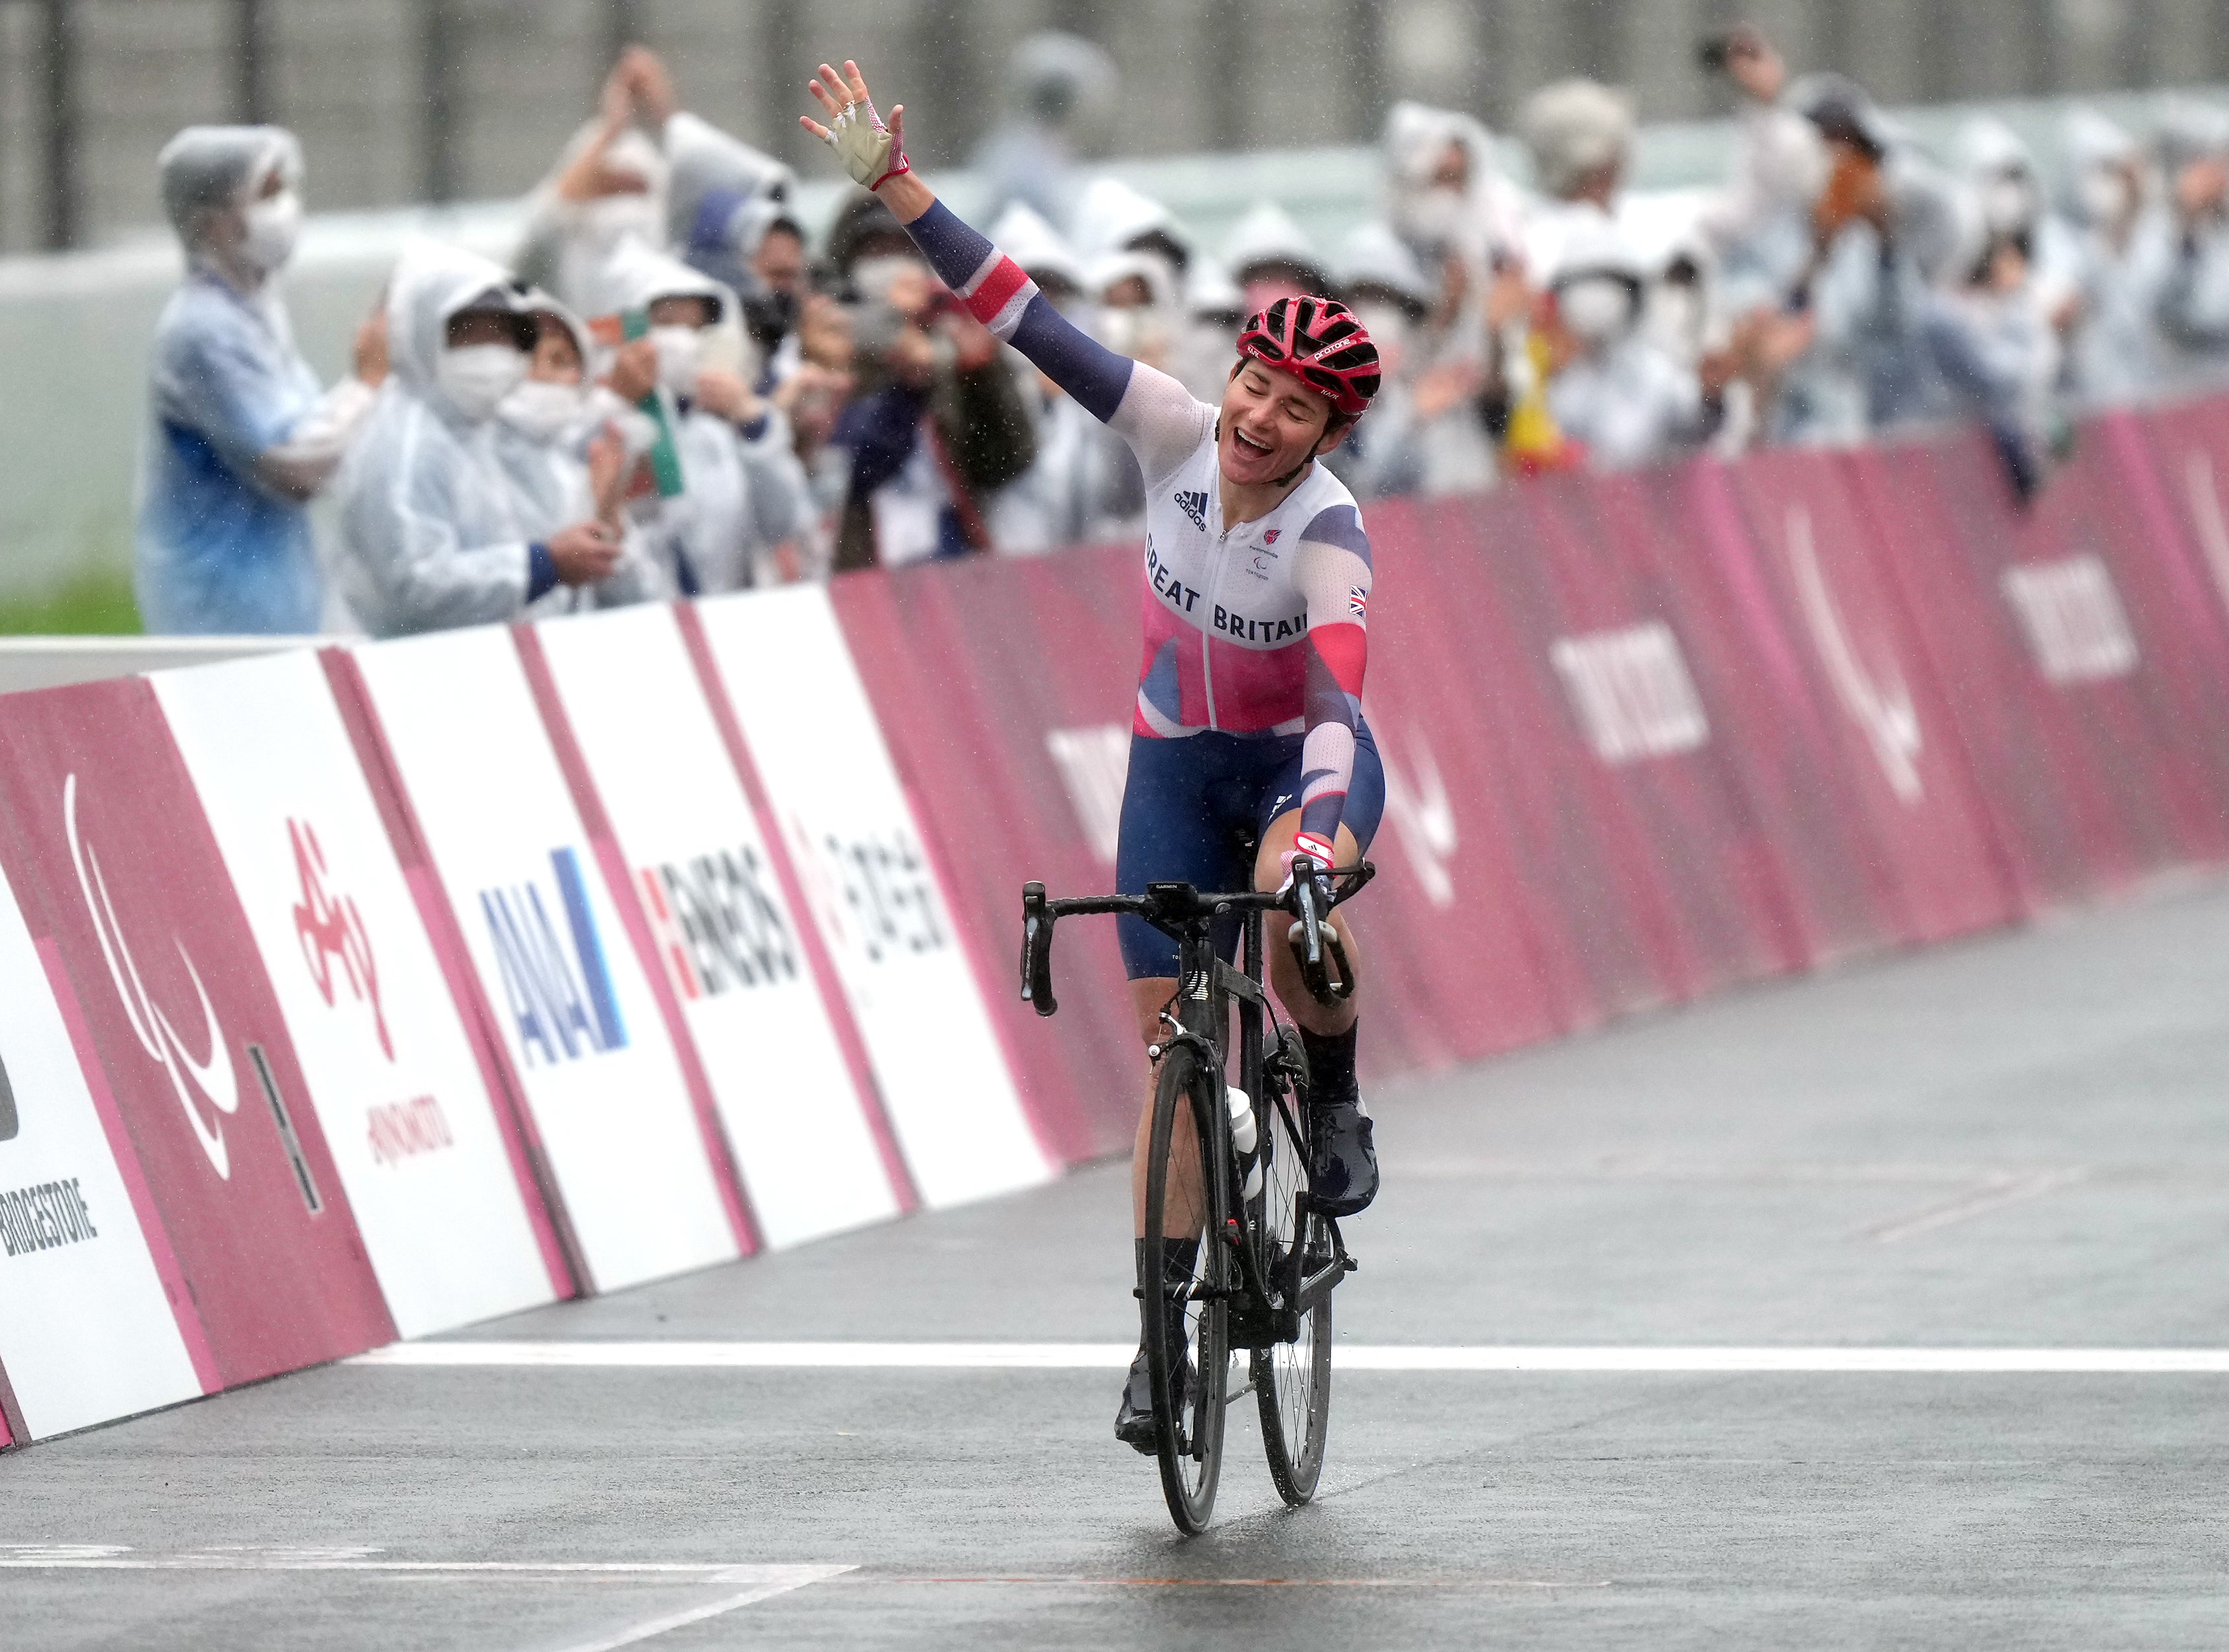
x=1166, y=905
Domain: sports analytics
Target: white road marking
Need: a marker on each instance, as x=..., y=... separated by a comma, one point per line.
x=91, y=1557
x=761, y=1582
x=1116, y=1356
x=772, y=1580
x=1999, y=1190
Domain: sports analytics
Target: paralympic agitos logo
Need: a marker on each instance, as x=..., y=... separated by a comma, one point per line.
x=208, y=1082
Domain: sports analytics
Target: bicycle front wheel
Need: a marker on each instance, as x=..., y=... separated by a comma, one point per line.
x=1292, y=1379
x=1187, y=1341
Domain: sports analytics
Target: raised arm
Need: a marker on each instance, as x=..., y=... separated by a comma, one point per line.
x=1156, y=414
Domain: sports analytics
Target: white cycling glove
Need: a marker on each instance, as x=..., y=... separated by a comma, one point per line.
x=872, y=152
x=1315, y=848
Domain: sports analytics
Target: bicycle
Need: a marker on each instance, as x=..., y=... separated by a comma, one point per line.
x=1264, y=1283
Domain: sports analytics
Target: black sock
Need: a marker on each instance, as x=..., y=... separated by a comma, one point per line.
x=1178, y=1258
x=1331, y=1067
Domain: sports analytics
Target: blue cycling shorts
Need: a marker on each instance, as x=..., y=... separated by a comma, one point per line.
x=1187, y=799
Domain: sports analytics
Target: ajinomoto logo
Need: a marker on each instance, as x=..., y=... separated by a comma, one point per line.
x=335, y=942
x=204, y=1084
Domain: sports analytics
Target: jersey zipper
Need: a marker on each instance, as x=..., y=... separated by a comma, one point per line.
x=1207, y=637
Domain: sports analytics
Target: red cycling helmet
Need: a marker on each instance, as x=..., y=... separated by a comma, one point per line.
x=1318, y=341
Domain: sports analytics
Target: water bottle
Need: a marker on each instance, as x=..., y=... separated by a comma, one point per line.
x=1243, y=1136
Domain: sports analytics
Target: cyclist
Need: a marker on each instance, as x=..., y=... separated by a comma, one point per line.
x=1256, y=597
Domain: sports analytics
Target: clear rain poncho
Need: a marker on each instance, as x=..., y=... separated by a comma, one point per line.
x=432, y=531
x=242, y=434
x=547, y=464
x=744, y=493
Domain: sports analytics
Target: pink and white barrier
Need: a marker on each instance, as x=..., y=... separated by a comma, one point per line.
x=381, y=990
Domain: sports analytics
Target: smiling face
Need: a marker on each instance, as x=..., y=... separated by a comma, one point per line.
x=1271, y=424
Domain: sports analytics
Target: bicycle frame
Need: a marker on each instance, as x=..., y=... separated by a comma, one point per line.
x=1208, y=988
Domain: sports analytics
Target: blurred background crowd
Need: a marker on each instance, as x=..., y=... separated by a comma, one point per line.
x=681, y=382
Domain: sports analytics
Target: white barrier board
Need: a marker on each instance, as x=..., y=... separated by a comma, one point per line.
x=87, y=1333
x=829, y=779
x=406, y=1111
x=724, y=931
x=551, y=953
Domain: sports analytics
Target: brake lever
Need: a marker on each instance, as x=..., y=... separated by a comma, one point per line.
x=1037, y=950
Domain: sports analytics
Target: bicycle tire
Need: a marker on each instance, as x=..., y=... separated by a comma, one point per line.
x=1292, y=1380
x=1188, y=1438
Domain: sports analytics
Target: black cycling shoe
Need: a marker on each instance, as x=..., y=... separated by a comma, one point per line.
x=1343, y=1162
x=1134, y=1418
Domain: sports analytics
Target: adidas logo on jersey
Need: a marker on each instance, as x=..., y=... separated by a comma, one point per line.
x=1195, y=506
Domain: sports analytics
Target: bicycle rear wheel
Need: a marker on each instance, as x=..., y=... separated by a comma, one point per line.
x=1187, y=1342
x=1292, y=1380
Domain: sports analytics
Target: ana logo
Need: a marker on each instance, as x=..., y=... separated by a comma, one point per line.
x=719, y=926
x=560, y=1000
x=9, y=1122
x=1270, y=537
x=210, y=1079
x=331, y=929
x=1195, y=506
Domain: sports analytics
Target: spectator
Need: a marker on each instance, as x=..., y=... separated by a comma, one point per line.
x=1271, y=258
x=242, y=436
x=1611, y=390
x=1112, y=217
x=1425, y=432
x=1061, y=90
x=608, y=189
x=2117, y=244
x=1445, y=195
x=814, y=397
x=1215, y=310
x=1886, y=227
x=432, y=532
x=722, y=197
x=1997, y=353
x=1164, y=301
x=744, y=504
x=2194, y=298
x=1759, y=225
x=937, y=425
x=566, y=449
x=1066, y=497
x=1580, y=134
x=2008, y=198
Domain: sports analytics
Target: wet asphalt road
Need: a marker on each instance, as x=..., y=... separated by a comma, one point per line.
x=2021, y=1143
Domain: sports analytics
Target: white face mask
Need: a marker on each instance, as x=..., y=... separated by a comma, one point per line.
x=1435, y=216
x=1675, y=319
x=477, y=377
x=2008, y=205
x=680, y=353
x=1595, y=307
x=274, y=224
x=874, y=277
x=543, y=408
x=1131, y=330
x=2103, y=194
